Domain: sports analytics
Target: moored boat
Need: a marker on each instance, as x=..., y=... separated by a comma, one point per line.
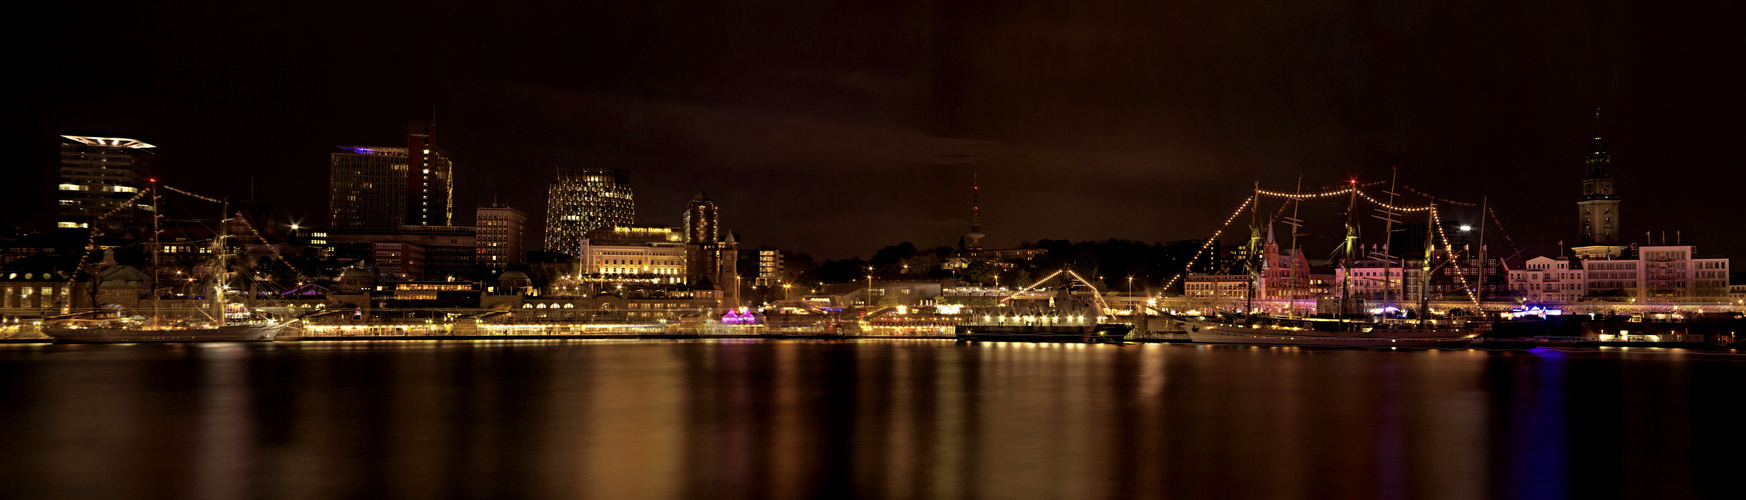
x=1331, y=333
x=1078, y=332
x=127, y=334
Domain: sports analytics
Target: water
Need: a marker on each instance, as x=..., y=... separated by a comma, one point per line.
x=870, y=419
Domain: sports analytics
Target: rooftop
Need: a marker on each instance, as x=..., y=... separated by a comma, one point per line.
x=112, y=142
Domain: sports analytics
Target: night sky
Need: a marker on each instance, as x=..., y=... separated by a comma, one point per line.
x=836, y=127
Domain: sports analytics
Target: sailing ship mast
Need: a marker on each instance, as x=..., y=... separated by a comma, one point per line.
x=220, y=276
x=1479, y=293
x=1254, y=249
x=1425, y=269
x=1351, y=240
x=1296, y=255
x=157, y=244
x=1388, y=237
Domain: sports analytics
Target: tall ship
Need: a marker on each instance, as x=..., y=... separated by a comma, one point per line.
x=219, y=321
x=1348, y=327
x=1067, y=318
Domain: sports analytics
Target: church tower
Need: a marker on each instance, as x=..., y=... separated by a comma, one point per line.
x=1598, y=209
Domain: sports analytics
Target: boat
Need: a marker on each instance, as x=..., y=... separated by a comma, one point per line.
x=1344, y=328
x=1070, y=331
x=1331, y=332
x=230, y=322
x=1068, y=318
x=130, y=333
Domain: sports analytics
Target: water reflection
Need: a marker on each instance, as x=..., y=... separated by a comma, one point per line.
x=875, y=419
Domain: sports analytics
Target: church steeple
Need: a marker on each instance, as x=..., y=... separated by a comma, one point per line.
x=1598, y=208
x=974, y=237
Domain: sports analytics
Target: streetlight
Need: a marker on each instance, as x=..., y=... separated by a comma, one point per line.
x=785, y=290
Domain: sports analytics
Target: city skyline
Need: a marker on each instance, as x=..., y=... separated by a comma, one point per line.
x=1160, y=157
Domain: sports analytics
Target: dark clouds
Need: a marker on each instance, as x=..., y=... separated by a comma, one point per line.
x=837, y=127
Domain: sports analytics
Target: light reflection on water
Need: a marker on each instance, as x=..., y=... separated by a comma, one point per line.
x=874, y=419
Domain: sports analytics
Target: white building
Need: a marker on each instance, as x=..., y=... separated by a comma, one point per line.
x=1547, y=280
x=1662, y=273
x=1221, y=286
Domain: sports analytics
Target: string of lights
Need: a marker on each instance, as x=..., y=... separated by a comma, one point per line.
x=1500, y=229
x=1210, y=242
x=1434, y=198
x=1032, y=285
x=1454, y=263
x=91, y=239
x=214, y=200
x=1101, y=304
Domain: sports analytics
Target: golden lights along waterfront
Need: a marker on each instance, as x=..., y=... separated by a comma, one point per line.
x=752, y=257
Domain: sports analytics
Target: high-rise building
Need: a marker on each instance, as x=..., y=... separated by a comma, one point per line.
x=584, y=199
x=385, y=188
x=98, y=175
x=701, y=245
x=430, y=181
x=502, y=236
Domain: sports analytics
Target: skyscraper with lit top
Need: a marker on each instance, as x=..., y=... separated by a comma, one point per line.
x=98, y=175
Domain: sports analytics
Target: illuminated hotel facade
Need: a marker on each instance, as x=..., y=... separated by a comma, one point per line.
x=98, y=175
x=646, y=254
x=385, y=188
x=585, y=199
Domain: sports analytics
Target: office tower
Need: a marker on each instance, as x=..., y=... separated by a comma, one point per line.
x=379, y=188
x=582, y=200
x=98, y=175
x=502, y=236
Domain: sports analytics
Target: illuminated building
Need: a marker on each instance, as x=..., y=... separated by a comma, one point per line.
x=98, y=174
x=502, y=238
x=1545, y=280
x=447, y=251
x=385, y=188
x=1661, y=273
x=639, y=254
x=1598, y=210
x=1222, y=286
x=761, y=267
x=701, y=245
x=582, y=200
x=398, y=259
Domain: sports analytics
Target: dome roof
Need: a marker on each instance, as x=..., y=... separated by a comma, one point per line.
x=354, y=272
x=1598, y=147
x=512, y=275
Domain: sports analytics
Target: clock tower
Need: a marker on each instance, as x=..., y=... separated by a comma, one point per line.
x=1598, y=209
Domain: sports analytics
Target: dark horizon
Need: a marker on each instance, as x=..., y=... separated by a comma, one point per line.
x=838, y=129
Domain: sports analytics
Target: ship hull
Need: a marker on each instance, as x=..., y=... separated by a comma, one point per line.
x=232, y=333
x=1265, y=336
x=1107, y=333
